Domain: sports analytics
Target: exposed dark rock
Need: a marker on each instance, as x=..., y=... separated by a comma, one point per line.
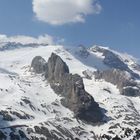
x=107, y=137
x=22, y=134
x=88, y=74
x=71, y=87
x=124, y=81
x=136, y=66
x=131, y=91
x=82, y=51
x=26, y=101
x=14, y=136
x=137, y=136
x=2, y=136
x=116, y=138
x=113, y=60
x=39, y=64
x=29, y=130
x=62, y=131
x=24, y=116
x=56, y=68
x=128, y=132
x=107, y=90
x=78, y=100
x=6, y=115
x=44, y=131
x=34, y=138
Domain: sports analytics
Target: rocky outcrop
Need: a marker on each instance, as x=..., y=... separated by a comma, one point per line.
x=88, y=74
x=57, y=68
x=71, y=88
x=131, y=91
x=39, y=64
x=113, y=60
x=82, y=51
x=124, y=81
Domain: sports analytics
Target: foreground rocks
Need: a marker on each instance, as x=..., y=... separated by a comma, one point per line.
x=71, y=87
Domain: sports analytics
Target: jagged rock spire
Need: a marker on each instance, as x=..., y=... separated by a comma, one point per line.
x=71, y=88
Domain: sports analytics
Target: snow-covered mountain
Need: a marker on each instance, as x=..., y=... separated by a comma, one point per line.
x=30, y=108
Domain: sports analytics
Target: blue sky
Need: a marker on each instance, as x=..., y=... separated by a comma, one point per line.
x=116, y=24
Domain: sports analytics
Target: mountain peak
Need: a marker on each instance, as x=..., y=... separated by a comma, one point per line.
x=68, y=95
x=71, y=87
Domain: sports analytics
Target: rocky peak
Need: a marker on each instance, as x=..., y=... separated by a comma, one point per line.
x=56, y=68
x=97, y=48
x=71, y=88
x=39, y=64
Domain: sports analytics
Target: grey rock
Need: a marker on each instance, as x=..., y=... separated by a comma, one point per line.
x=14, y=136
x=56, y=68
x=22, y=134
x=136, y=66
x=6, y=115
x=83, y=52
x=71, y=88
x=114, y=61
x=88, y=74
x=131, y=91
x=39, y=64
x=78, y=100
x=2, y=136
x=124, y=80
x=111, y=59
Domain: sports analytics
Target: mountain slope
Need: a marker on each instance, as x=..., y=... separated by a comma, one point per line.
x=30, y=109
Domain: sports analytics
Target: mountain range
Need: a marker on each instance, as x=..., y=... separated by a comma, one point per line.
x=53, y=92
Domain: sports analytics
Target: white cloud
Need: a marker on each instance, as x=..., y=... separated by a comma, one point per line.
x=27, y=39
x=58, y=12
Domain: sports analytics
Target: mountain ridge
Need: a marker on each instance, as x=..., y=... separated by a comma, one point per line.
x=30, y=109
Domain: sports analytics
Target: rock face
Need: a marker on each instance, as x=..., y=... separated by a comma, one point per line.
x=131, y=91
x=83, y=52
x=124, y=81
x=71, y=87
x=77, y=99
x=111, y=59
x=114, y=61
x=88, y=74
x=56, y=68
x=39, y=64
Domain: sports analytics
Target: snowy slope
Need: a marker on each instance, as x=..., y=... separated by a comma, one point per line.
x=28, y=103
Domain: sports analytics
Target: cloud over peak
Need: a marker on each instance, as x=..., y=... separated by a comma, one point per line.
x=59, y=12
